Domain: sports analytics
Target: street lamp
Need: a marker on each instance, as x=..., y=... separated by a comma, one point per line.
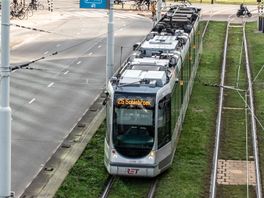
x=5, y=110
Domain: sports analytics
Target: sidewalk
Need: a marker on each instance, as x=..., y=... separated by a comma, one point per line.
x=23, y=30
x=127, y=7
x=216, y=12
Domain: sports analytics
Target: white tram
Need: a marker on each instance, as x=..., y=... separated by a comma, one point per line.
x=148, y=97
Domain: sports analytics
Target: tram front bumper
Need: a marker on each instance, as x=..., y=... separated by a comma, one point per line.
x=133, y=170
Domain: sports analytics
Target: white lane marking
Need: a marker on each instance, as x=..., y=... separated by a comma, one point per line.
x=66, y=72
x=51, y=84
x=99, y=46
x=58, y=45
x=13, y=71
x=79, y=62
x=46, y=52
x=31, y=101
x=90, y=54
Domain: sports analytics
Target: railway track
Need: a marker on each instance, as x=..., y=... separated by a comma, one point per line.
x=236, y=96
x=152, y=188
x=111, y=179
x=108, y=186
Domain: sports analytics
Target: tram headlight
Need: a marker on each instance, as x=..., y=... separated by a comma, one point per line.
x=114, y=155
x=151, y=155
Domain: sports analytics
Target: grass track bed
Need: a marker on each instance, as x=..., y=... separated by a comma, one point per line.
x=256, y=51
x=130, y=187
x=234, y=130
x=232, y=191
x=233, y=137
x=86, y=179
x=190, y=173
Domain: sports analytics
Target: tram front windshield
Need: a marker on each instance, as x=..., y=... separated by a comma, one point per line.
x=133, y=127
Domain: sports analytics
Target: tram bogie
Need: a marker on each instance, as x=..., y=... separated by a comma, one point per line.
x=147, y=98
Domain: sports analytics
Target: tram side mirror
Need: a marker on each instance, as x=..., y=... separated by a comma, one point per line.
x=114, y=80
x=135, y=46
x=106, y=97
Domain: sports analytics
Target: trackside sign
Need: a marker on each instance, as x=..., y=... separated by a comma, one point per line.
x=95, y=4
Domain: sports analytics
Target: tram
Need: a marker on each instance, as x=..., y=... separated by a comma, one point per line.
x=148, y=96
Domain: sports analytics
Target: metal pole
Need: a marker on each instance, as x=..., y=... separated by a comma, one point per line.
x=159, y=10
x=121, y=53
x=110, y=44
x=261, y=15
x=5, y=110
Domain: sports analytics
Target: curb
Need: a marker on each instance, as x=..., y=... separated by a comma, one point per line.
x=57, y=168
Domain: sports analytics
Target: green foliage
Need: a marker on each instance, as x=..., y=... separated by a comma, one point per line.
x=87, y=177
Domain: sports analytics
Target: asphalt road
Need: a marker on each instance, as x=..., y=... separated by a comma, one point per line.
x=48, y=101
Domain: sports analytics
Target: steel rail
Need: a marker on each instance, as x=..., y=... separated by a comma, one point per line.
x=218, y=121
x=206, y=26
x=110, y=182
x=152, y=188
x=253, y=121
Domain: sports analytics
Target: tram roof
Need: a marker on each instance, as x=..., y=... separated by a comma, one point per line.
x=161, y=43
x=152, y=65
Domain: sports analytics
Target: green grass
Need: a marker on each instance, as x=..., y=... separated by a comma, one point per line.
x=256, y=45
x=190, y=172
x=232, y=191
x=130, y=187
x=233, y=137
x=86, y=179
x=194, y=151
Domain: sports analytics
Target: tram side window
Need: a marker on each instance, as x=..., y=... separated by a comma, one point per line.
x=199, y=35
x=192, y=54
x=193, y=46
x=164, y=121
x=109, y=109
x=175, y=105
x=196, y=41
x=186, y=73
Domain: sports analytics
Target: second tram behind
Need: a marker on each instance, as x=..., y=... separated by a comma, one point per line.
x=147, y=98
